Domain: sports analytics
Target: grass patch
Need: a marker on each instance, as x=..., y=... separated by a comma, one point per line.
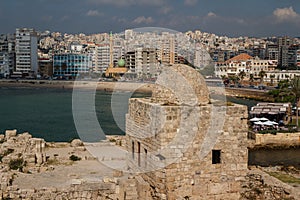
x=285, y=177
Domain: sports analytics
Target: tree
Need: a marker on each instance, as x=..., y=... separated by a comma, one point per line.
x=251, y=78
x=242, y=75
x=272, y=76
x=234, y=79
x=295, y=85
x=261, y=75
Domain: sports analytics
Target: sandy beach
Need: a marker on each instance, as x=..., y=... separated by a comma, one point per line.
x=103, y=86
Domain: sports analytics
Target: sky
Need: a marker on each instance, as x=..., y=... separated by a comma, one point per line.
x=258, y=18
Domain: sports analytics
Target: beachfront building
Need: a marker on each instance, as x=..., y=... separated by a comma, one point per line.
x=244, y=63
x=142, y=63
x=7, y=51
x=107, y=54
x=70, y=65
x=102, y=57
x=26, y=51
x=4, y=64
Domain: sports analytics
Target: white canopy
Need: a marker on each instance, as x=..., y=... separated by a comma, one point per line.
x=258, y=123
x=268, y=123
x=263, y=119
x=255, y=119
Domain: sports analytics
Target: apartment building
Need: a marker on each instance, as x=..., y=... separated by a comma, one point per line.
x=26, y=51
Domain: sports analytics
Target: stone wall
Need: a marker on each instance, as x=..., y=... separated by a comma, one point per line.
x=22, y=146
x=278, y=139
x=188, y=175
x=260, y=185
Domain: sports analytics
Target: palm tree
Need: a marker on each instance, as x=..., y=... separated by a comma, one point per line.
x=261, y=75
x=234, y=79
x=251, y=78
x=242, y=75
x=272, y=76
x=295, y=84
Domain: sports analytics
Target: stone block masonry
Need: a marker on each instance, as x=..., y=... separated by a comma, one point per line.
x=166, y=135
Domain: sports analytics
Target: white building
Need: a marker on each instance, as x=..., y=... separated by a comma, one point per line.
x=102, y=57
x=102, y=54
x=26, y=51
x=246, y=63
x=142, y=63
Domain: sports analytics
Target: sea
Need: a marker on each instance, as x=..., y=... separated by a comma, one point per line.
x=47, y=113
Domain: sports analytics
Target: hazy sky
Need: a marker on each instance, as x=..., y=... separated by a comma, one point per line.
x=222, y=17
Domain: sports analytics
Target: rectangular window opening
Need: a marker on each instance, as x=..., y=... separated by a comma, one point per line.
x=139, y=154
x=132, y=150
x=216, y=156
x=145, y=157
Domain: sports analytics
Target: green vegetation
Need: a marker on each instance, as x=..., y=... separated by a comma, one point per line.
x=16, y=164
x=284, y=92
x=286, y=178
x=295, y=85
x=261, y=75
x=74, y=158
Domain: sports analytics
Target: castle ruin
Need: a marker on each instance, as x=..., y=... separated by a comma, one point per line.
x=172, y=147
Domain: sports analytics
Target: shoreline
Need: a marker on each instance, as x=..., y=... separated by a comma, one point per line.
x=101, y=86
x=117, y=86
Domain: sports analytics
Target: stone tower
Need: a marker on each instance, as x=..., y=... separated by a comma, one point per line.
x=182, y=144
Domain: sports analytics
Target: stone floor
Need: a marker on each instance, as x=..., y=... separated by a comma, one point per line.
x=62, y=172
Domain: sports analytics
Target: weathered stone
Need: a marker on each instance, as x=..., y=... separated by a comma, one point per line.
x=179, y=127
x=76, y=143
x=2, y=138
x=10, y=133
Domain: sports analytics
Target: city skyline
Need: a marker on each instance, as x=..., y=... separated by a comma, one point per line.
x=233, y=18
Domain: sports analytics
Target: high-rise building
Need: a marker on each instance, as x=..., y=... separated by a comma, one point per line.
x=272, y=52
x=168, y=49
x=283, y=46
x=4, y=64
x=26, y=51
x=102, y=57
x=292, y=55
x=108, y=53
x=142, y=63
x=7, y=51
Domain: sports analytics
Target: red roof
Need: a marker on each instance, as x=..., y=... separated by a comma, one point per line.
x=241, y=57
